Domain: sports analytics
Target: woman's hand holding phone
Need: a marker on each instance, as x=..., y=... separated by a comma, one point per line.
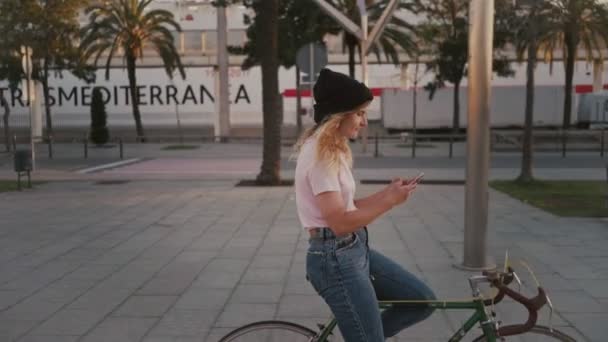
x=399, y=190
x=415, y=180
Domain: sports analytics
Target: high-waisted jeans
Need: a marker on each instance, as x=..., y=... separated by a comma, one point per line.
x=351, y=278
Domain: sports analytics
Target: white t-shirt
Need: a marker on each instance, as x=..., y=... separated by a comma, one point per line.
x=312, y=178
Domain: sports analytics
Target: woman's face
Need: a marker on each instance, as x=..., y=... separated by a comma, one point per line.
x=353, y=122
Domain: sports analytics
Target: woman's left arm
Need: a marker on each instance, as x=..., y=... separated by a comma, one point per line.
x=363, y=202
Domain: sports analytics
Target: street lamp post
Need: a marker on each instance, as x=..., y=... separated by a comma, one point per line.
x=222, y=126
x=364, y=42
x=481, y=32
x=26, y=52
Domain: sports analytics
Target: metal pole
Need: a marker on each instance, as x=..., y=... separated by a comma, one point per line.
x=564, y=137
x=222, y=62
x=179, y=124
x=298, y=104
x=86, y=147
x=121, y=148
x=29, y=105
x=376, y=146
x=602, y=142
x=481, y=32
x=50, y=142
x=364, y=42
x=415, y=111
x=311, y=78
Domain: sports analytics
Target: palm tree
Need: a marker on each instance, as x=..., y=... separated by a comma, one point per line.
x=269, y=58
x=534, y=26
x=129, y=26
x=582, y=25
x=396, y=33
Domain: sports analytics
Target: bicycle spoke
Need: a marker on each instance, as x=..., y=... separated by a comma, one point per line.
x=270, y=331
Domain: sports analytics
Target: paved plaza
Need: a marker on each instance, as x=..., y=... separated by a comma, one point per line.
x=116, y=255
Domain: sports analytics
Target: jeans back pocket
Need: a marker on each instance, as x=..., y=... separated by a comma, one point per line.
x=316, y=268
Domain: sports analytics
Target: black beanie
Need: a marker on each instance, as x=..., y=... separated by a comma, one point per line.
x=336, y=93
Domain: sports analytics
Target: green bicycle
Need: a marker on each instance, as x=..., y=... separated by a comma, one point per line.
x=484, y=315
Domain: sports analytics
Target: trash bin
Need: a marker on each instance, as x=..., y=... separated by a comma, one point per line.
x=23, y=161
x=23, y=164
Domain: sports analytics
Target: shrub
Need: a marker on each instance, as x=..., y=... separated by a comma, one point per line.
x=99, y=134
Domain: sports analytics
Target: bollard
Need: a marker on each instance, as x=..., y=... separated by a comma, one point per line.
x=564, y=144
x=50, y=142
x=86, y=148
x=602, y=142
x=376, y=147
x=414, y=144
x=14, y=142
x=451, y=143
x=121, y=150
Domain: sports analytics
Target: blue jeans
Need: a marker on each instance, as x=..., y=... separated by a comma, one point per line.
x=351, y=278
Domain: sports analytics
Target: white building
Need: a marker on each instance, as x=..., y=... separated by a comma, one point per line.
x=193, y=100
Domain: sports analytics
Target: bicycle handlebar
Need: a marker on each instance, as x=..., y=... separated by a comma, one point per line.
x=507, y=278
x=531, y=304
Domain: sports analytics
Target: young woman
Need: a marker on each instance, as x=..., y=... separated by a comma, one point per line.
x=341, y=267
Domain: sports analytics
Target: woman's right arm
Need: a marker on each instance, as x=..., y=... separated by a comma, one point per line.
x=343, y=222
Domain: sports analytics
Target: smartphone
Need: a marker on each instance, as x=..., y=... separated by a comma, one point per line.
x=418, y=178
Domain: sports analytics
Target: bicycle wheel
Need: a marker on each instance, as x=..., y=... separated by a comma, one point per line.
x=538, y=333
x=270, y=331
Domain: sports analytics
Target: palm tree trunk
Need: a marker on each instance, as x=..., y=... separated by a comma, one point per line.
x=47, y=104
x=351, y=60
x=570, y=58
x=456, y=118
x=131, y=68
x=7, y=130
x=351, y=44
x=271, y=159
x=526, y=158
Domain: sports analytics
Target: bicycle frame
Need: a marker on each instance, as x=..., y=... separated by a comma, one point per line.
x=479, y=316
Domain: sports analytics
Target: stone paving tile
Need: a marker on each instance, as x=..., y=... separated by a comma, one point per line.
x=264, y=276
x=178, y=322
x=11, y=329
x=218, y=280
x=167, y=338
x=49, y=338
x=236, y=315
x=33, y=308
x=576, y=302
x=120, y=329
x=303, y=306
x=257, y=293
x=590, y=324
x=92, y=272
x=197, y=298
x=69, y=322
x=9, y=298
x=216, y=334
x=145, y=306
x=167, y=285
x=597, y=288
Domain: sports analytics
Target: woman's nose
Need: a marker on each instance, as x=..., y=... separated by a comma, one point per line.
x=364, y=121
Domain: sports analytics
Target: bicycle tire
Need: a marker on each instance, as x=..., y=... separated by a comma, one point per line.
x=270, y=331
x=540, y=331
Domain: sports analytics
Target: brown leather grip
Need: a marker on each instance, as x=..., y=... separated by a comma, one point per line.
x=532, y=305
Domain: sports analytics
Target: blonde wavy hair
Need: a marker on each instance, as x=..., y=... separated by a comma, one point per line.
x=331, y=146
